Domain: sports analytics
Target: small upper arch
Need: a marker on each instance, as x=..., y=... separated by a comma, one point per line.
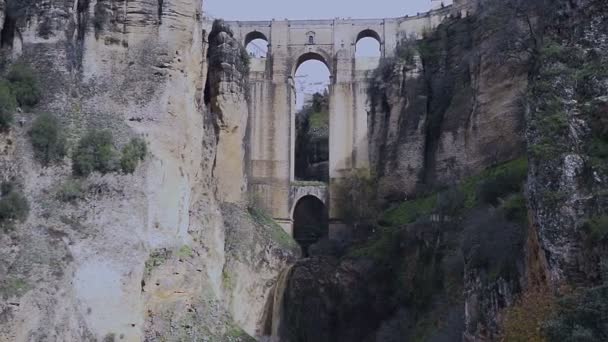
x=256, y=44
x=368, y=44
x=368, y=33
x=253, y=35
x=312, y=56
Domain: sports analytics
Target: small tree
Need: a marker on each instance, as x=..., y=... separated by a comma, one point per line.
x=47, y=140
x=95, y=152
x=133, y=152
x=13, y=206
x=8, y=103
x=24, y=85
x=359, y=205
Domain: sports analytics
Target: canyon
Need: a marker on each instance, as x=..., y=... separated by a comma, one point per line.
x=466, y=197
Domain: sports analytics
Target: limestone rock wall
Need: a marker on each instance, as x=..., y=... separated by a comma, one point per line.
x=142, y=256
x=226, y=96
x=568, y=176
x=443, y=111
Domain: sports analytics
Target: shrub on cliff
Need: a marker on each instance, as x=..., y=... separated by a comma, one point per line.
x=493, y=243
x=505, y=180
x=95, y=152
x=581, y=317
x=134, y=152
x=359, y=205
x=47, y=139
x=13, y=206
x=71, y=191
x=7, y=106
x=24, y=85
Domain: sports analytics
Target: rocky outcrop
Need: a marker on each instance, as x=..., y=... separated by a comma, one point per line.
x=135, y=257
x=226, y=95
x=443, y=109
x=567, y=142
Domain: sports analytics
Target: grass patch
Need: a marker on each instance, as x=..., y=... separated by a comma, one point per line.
x=13, y=287
x=384, y=245
x=494, y=183
x=319, y=120
x=409, y=211
x=71, y=191
x=276, y=232
x=185, y=252
x=157, y=258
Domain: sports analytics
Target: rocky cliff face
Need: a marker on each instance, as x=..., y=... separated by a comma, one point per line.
x=567, y=143
x=146, y=256
x=443, y=110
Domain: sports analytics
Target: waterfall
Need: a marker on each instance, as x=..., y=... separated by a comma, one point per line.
x=272, y=325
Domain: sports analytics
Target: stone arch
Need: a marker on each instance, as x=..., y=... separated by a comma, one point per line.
x=368, y=33
x=253, y=35
x=312, y=56
x=368, y=44
x=310, y=221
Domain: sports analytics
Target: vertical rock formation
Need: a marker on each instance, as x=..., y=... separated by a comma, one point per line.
x=443, y=110
x=226, y=95
x=567, y=138
x=142, y=256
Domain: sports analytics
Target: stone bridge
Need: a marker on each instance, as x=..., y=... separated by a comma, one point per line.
x=273, y=99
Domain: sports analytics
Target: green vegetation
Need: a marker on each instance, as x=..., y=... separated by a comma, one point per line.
x=277, y=233
x=20, y=88
x=8, y=103
x=227, y=280
x=597, y=228
x=47, y=140
x=72, y=190
x=96, y=152
x=235, y=334
x=525, y=320
x=319, y=120
x=514, y=208
x=24, y=85
x=360, y=205
x=185, y=252
x=13, y=206
x=157, y=258
x=495, y=183
x=409, y=211
x=493, y=186
x=580, y=317
x=134, y=152
x=384, y=245
x=13, y=287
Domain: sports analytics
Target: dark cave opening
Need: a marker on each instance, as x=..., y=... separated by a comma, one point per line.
x=310, y=222
x=7, y=35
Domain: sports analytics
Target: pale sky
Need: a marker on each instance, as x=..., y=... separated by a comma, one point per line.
x=313, y=9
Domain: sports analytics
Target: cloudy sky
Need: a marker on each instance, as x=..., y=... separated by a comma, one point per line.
x=313, y=9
